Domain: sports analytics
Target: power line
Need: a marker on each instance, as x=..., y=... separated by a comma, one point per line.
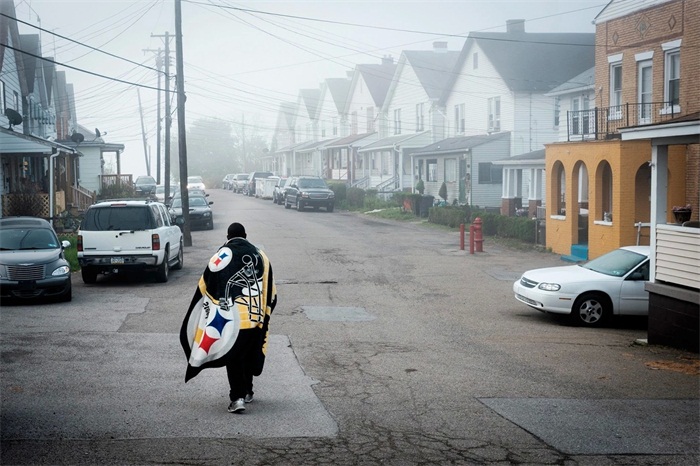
x=79, y=43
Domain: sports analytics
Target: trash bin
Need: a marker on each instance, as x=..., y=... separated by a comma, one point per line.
x=426, y=202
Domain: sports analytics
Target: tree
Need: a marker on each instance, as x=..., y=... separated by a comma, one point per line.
x=420, y=186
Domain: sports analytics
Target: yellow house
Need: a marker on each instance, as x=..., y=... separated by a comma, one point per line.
x=599, y=185
x=598, y=192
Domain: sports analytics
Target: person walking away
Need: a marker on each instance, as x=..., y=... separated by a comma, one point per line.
x=227, y=322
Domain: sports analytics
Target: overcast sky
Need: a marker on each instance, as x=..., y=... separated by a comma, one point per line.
x=243, y=58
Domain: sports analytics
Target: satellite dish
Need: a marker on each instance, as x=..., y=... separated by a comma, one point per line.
x=77, y=137
x=13, y=117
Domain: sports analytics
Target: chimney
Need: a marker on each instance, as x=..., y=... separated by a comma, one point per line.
x=440, y=47
x=515, y=25
x=387, y=60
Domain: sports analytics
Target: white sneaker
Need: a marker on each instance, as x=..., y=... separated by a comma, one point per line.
x=237, y=406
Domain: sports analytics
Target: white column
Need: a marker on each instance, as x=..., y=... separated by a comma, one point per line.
x=659, y=199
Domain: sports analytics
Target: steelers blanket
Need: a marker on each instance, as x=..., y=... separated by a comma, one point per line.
x=236, y=293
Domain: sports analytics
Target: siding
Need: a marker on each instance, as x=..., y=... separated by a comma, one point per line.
x=487, y=195
x=678, y=255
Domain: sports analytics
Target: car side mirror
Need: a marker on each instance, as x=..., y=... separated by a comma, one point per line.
x=65, y=244
x=211, y=202
x=636, y=276
x=180, y=221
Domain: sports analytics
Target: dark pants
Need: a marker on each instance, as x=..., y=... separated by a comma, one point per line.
x=242, y=362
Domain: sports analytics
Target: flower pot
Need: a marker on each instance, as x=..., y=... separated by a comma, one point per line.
x=682, y=215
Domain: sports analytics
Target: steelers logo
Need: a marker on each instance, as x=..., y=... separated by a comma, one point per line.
x=220, y=260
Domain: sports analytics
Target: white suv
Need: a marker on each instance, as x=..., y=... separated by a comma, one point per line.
x=122, y=235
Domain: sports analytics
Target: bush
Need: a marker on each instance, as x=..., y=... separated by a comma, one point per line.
x=507, y=227
x=452, y=216
x=117, y=191
x=420, y=186
x=340, y=190
x=443, y=191
x=355, y=197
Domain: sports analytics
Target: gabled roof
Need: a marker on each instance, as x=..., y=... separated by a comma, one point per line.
x=531, y=62
x=310, y=98
x=338, y=87
x=294, y=147
x=30, y=44
x=287, y=113
x=461, y=143
x=353, y=138
x=432, y=68
x=378, y=79
x=581, y=82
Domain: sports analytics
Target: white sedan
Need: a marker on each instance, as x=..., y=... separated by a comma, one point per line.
x=612, y=284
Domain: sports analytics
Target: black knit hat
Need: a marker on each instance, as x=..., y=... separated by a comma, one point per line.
x=236, y=230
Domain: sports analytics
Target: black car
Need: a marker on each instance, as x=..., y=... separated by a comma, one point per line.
x=278, y=192
x=309, y=191
x=201, y=215
x=145, y=185
x=32, y=260
x=249, y=189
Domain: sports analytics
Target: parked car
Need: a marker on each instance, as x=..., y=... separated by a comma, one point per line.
x=32, y=261
x=201, y=215
x=195, y=182
x=278, y=192
x=190, y=193
x=239, y=182
x=590, y=293
x=227, y=182
x=160, y=192
x=309, y=191
x=127, y=235
x=145, y=185
x=249, y=189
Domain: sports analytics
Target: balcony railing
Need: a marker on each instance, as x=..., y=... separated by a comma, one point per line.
x=605, y=123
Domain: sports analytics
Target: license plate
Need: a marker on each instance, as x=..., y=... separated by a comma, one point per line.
x=117, y=260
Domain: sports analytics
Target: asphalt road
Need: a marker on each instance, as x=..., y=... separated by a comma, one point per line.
x=390, y=346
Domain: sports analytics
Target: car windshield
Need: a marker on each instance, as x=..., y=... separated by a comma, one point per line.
x=198, y=202
x=617, y=263
x=243, y=176
x=311, y=183
x=145, y=180
x=194, y=179
x=14, y=239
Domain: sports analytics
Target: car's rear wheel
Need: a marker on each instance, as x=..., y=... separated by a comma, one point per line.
x=330, y=208
x=590, y=310
x=163, y=269
x=89, y=275
x=180, y=258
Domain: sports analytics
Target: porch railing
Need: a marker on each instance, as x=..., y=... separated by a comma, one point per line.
x=392, y=184
x=362, y=183
x=81, y=198
x=605, y=122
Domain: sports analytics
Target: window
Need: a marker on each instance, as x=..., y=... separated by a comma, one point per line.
x=450, y=170
x=2, y=96
x=397, y=121
x=459, y=119
x=420, y=117
x=644, y=87
x=334, y=122
x=432, y=172
x=673, y=77
x=370, y=119
x=490, y=174
x=616, y=85
x=557, y=111
x=494, y=124
x=580, y=115
x=475, y=61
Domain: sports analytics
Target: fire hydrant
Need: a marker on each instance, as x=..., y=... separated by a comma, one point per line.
x=476, y=236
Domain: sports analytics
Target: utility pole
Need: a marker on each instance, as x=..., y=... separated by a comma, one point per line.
x=181, y=130
x=159, y=66
x=168, y=116
x=143, y=135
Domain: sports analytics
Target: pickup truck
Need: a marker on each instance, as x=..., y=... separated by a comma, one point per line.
x=123, y=235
